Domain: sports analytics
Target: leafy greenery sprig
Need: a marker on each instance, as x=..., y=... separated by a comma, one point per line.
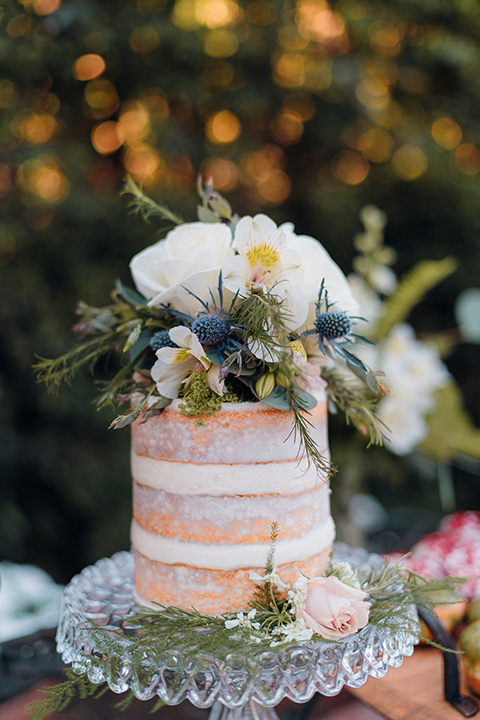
x=358, y=403
x=58, y=697
x=144, y=206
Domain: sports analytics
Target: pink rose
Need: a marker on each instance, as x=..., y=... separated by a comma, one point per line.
x=333, y=609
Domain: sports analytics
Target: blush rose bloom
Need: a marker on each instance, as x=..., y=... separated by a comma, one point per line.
x=333, y=609
x=189, y=258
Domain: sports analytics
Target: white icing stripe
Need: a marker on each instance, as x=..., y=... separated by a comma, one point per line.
x=183, y=478
x=230, y=557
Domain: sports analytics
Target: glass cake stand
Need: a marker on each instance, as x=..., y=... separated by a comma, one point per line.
x=239, y=687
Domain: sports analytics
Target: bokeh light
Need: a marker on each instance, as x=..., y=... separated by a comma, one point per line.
x=107, y=137
x=101, y=98
x=350, y=167
x=409, y=162
x=88, y=67
x=43, y=177
x=467, y=158
x=223, y=127
x=447, y=133
x=38, y=128
x=144, y=39
x=225, y=173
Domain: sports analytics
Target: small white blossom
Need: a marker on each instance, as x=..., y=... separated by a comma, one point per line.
x=297, y=595
x=295, y=631
x=273, y=578
x=344, y=571
x=243, y=620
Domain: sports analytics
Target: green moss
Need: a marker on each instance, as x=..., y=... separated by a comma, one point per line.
x=200, y=400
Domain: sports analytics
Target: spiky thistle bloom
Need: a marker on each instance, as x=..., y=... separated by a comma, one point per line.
x=210, y=328
x=161, y=339
x=334, y=329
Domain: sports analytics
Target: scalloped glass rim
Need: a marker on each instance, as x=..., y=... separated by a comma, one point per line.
x=103, y=594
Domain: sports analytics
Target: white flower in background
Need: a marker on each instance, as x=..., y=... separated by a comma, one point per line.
x=29, y=601
x=263, y=259
x=414, y=372
x=188, y=258
x=383, y=279
x=371, y=306
x=174, y=365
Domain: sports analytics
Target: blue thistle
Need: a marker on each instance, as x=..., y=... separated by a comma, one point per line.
x=332, y=325
x=210, y=329
x=334, y=330
x=161, y=339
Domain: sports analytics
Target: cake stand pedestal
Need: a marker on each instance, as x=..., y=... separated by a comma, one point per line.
x=238, y=686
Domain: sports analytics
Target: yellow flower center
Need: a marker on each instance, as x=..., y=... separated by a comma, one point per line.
x=264, y=255
x=181, y=355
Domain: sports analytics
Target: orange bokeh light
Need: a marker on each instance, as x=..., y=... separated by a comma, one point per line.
x=107, y=137
x=46, y=7
x=467, y=158
x=447, y=133
x=88, y=67
x=223, y=127
x=350, y=167
x=275, y=189
x=38, y=127
x=135, y=121
x=142, y=161
x=224, y=173
x=287, y=128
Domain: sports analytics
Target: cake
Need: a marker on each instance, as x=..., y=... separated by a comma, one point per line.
x=205, y=497
x=225, y=346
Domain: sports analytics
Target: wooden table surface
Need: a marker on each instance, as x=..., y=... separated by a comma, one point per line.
x=414, y=691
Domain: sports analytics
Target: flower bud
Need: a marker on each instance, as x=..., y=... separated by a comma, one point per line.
x=282, y=379
x=265, y=385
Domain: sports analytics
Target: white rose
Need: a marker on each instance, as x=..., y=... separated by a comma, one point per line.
x=188, y=258
x=317, y=265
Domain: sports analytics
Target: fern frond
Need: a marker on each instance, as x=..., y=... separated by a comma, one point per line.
x=143, y=205
x=411, y=289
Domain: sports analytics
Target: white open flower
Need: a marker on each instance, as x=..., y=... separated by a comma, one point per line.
x=263, y=259
x=174, y=365
x=414, y=372
x=189, y=258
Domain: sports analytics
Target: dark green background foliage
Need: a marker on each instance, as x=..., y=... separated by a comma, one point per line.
x=303, y=115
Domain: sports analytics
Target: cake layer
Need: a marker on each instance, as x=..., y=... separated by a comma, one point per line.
x=228, y=519
x=230, y=556
x=210, y=591
x=288, y=477
x=238, y=433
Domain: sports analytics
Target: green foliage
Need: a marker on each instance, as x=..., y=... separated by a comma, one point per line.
x=451, y=431
x=144, y=206
x=358, y=402
x=411, y=289
x=58, y=697
x=200, y=400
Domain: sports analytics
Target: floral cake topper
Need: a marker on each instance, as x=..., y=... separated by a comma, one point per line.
x=227, y=309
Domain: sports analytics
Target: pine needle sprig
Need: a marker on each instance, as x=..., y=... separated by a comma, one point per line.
x=358, y=403
x=64, y=368
x=58, y=697
x=144, y=206
x=411, y=289
x=263, y=319
x=301, y=434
